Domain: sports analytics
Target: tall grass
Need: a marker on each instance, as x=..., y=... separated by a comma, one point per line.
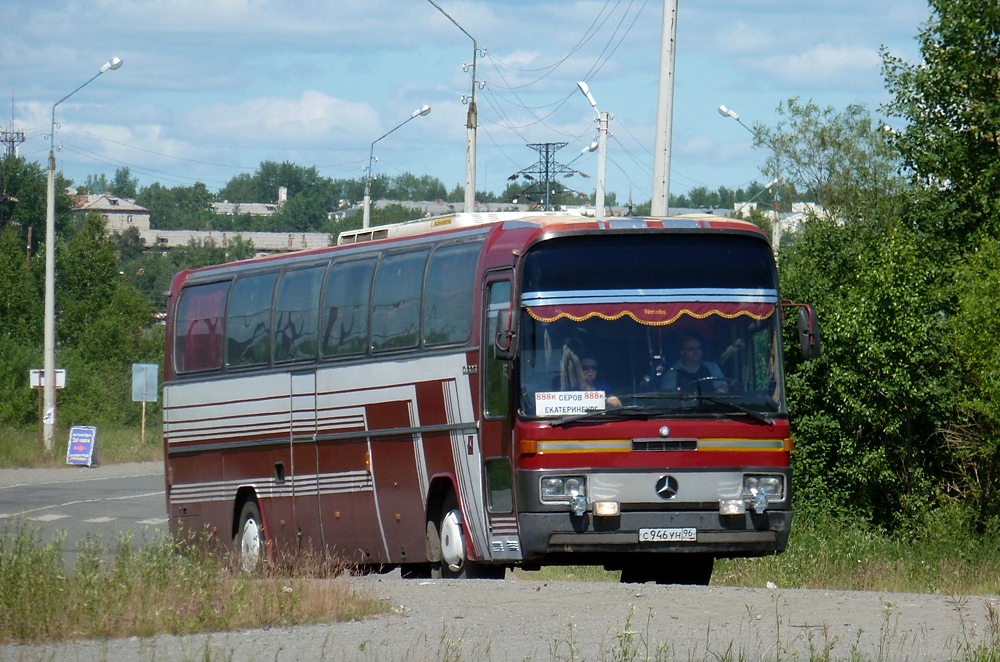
x=945, y=555
x=21, y=447
x=158, y=587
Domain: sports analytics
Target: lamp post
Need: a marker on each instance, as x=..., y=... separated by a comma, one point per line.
x=49, y=388
x=472, y=120
x=603, y=119
x=729, y=112
x=776, y=226
x=420, y=112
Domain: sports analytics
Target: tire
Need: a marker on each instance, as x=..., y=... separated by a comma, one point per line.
x=455, y=563
x=249, y=544
x=454, y=559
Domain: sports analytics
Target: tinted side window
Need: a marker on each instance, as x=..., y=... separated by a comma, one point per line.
x=451, y=279
x=396, y=301
x=296, y=314
x=345, y=308
x=198, y=327
x=496, y=379
x=248, y=324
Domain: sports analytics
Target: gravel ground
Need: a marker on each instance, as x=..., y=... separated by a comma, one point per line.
x=523, y=619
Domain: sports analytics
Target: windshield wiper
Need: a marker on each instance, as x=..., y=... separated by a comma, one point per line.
x=755, y=415
x=618, y=413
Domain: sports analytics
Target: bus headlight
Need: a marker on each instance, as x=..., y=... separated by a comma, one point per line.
x=772, y=485
x=760, y=489
x=571, y=490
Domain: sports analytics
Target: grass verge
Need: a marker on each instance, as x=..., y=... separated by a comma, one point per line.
x=158, y=587
x=21, y=447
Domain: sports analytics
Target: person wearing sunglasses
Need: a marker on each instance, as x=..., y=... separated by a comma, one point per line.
x=588, y=366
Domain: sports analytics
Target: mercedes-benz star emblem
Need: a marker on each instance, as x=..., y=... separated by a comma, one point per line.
x=666, y=487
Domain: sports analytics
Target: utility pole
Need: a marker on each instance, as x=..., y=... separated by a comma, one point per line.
x=664, y=112
x=472, y=118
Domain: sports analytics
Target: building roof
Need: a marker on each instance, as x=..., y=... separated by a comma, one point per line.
x=105, y=203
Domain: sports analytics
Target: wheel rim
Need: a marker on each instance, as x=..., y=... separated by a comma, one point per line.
x=250, y=545
x=452, y=542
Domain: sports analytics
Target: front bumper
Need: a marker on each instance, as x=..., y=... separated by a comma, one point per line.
x=562, y=534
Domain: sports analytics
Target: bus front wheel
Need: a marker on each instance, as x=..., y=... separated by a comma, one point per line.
x=249, y=543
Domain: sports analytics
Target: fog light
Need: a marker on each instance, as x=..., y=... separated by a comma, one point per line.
x=758, y=500
x=606, y=508
x=732, y=507
x=578, y=504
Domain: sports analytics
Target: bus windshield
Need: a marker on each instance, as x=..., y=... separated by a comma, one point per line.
x=663, y=325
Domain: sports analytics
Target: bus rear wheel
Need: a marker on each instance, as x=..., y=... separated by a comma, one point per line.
x=249, y=542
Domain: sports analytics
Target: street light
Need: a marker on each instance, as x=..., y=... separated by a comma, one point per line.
x=776, y=227
x=603, y=118
x=729, y=112
x=49, y=389
x=420, y=112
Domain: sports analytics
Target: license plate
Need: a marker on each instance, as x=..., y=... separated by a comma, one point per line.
x=687, y=534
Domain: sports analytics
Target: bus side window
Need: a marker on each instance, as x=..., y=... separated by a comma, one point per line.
x=248, y=321
x=451, y=278
x=198, y=327
x=296, y=313
x=399, y=282
x=497, y=377
x=345, y=308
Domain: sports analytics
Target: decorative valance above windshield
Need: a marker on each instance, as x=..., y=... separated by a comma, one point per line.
x=651, y=314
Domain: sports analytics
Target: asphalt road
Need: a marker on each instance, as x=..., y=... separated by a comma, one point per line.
x=104, y=501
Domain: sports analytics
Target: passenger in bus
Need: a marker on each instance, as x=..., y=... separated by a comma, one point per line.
x=580, y=374
x=693, y=375
x=591, y=383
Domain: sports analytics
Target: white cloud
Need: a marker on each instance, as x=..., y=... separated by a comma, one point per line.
x=313, y=117
x=848, y=67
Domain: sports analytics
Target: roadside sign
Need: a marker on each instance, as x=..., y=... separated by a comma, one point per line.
x=36, y=378
x=144, y=381
x=82, y=448
x=144, y=376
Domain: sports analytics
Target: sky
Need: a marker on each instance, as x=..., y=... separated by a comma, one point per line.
x=209, y=89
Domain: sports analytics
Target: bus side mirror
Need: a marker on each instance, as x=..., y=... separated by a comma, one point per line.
x=808, y=332
x=503, y=344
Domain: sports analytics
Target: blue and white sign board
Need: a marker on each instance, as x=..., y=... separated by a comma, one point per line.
x=82, y=449
x=144, y=381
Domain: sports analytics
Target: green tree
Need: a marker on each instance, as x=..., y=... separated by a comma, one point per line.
x=95, y=184
x=868, y=413
x=124, y=185
x=949, y=101
x=20, y=297
x=841, y=160
x=178, y=208
x=23, y=199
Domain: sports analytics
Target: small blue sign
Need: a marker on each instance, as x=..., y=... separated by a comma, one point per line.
x=82, y=449
x=144, y=382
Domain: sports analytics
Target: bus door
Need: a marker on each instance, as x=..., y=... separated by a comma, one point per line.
x=303, y=452
x=497, y=412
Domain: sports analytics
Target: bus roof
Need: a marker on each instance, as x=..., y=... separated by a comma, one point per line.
x=435, y=224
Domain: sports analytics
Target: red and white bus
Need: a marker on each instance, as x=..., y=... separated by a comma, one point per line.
x=422, y=395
